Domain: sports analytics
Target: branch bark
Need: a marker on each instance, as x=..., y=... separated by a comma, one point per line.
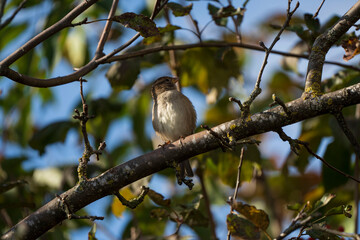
x=115, y=178
x=322, y=45
x=57, y=81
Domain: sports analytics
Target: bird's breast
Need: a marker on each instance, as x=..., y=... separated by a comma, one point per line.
x=173, y=116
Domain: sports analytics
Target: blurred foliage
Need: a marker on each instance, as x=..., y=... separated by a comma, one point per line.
x=267, y=183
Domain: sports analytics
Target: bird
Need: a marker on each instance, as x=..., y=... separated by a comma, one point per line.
x=173, y=115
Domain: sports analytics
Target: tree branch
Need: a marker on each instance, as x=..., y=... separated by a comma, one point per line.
x=52, y=82
x=63, y=23
x=322, y=45
x=105, y=33
x=17, y=10
x=115, y=178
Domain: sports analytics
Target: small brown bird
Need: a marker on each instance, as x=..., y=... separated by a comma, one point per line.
x=173, y=115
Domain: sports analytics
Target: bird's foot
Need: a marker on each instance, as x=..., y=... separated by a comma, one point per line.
x=164, y=144
x=180, y=176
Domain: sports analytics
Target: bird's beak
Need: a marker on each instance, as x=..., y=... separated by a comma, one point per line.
x=175, y=80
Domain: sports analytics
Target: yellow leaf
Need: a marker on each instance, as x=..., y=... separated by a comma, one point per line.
x=257, y=216
x=116, y=207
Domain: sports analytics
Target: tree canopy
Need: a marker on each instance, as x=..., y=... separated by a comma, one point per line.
x=275, y=152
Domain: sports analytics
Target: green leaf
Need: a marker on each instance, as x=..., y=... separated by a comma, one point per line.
x=160, y=213
x=338, y=155
x=323, y=201
x=321, y=235
x=343, y=209
x=294, y=207
x=214, y=12
x=311, y=23
x=257, y=216
x=54, y=132
x=91, y=234
x=123, y=74
x=11, y=33
x=140, y=109
x=158, y=198
x=179, y=10
x=196, y=218
x=228, y=12
x=242, y=228
x=168, y=28
x=140, y=23
x=75, y=48
x=209, y=67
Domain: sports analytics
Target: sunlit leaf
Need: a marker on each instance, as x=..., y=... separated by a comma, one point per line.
x=343, y=209
x=140, y=23
x=209, y=67
x=351, y=47
x=294, y=207
x=158, y=198
x=75, y=49
x=242, y=228
x=257, y=216
x=117, y=208
x=91, y=234
x=179, y=10
x=324, y=201
x=214, y=12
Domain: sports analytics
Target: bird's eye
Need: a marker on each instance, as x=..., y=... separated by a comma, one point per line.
x=168, y=80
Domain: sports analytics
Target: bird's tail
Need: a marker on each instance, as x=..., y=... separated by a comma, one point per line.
x=185, y=169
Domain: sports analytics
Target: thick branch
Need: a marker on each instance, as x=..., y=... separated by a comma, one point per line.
x=36, y=82
x=110, y=181
x=322, y=45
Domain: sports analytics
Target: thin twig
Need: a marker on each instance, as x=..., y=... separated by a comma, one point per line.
x=280, y=102
x=17, y=10
x=205, y=194
x=2, y=8
x=237, y=32
x=232, y=99
x=83, y=117
x=338, y=233
x=239, y=173
x=352, y=139
x=233, y=198
x=133, y=203
x=257, y=89
x=172, y=56
x=294, y=146
x=223, y=143
x=318, y=10
x=356, y=172
x=105, y=33
x=71, y=215
x=295, y=224
x=196, y=25
x=350, y=136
